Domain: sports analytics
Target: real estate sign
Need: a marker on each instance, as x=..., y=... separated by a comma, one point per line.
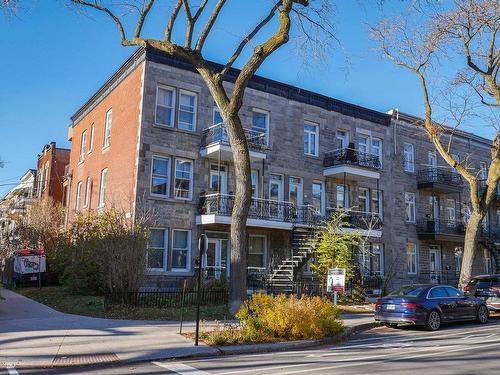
x=29, y=264
x=336, y=280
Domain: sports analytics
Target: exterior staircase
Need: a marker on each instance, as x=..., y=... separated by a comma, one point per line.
x=282, y=279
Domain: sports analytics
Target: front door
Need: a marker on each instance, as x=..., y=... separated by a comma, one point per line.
x=435, y=264
x=215, y=259
x=218, y=179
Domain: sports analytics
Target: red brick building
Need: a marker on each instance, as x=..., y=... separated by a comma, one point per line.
x=51, y=165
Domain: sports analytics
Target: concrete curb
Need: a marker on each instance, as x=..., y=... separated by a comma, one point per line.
x=219, y=351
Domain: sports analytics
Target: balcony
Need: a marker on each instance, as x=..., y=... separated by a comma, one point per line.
x=439, y=180
x=490, y=234
x=215, y=143
x=368, y=223
x=351, y=164
x=264, y=213
x=441, y=230
x=482, y=188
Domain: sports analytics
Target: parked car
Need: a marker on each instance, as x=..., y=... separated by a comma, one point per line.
x=486, y=287
x=429, y=305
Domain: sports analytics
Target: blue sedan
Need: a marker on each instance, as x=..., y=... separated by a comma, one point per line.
x=429, y=305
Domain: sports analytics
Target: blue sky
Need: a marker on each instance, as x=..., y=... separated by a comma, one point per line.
x=54, y=58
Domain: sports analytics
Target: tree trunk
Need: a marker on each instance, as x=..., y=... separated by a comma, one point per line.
x=470, y=247
x=242, y=200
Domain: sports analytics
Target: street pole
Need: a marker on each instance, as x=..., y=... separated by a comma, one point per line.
x=335, y=298
x=202, y=244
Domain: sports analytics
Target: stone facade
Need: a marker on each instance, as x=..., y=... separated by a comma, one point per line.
x=133, y=95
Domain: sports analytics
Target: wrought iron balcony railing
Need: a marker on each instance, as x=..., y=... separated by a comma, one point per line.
x=217, y=134
x=361, y=219
x=490, y=233
x=441, y=226
x=482, y=188
x=349, y=156
x=439, y=175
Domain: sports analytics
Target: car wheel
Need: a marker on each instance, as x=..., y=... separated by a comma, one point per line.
x=391, y=325
x=433, y=321
x=482, y=314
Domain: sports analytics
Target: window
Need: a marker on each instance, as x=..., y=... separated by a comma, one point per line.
x=432, y=159
x=450, y=212
x=363, y=143
x=256, y=252
x=183, y=179
x=102, y=189
x=318, y=197
x=377, y=259
x=45, y=176
x=156, y=253
x=295, y=190
x=91, y=145
x=160, y=176
x=88, y=192
x=78, y=196
x=483, y=170
x=409, y=155
x=411, y=258
x=311, y=139
x=107, y=128
x=165, y=103
x=276, y=187
x=342, y=139
x=217, y=118
x=260, y=123
x=218, y=179
x=342, y=196
x=410, y=207
x=255, y=183
x=488, y=268
x=459, y=255
x=364, y=199
x=187, y=110
x=377, y=205
x=438, y=292
x=181, y=249
x=453, y=292
x=376, y=148
x=83, y=146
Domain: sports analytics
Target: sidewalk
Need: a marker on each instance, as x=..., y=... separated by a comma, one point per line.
x=34, y=335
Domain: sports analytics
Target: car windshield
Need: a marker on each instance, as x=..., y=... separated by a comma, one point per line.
x=407, y=291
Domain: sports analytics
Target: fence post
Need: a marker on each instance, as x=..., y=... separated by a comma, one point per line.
x=182, y=305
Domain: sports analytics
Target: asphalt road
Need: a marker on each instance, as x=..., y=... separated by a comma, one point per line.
x=455, y=349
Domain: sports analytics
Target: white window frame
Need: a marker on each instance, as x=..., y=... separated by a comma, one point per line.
x=165, y=251
x=169, y=169
x=214, y=111
x=264, y=254
x=451, y=211
x=309, y=135
x=488, y=264
x=191, y=179
x=410, y=199
x=173, y=107
x=87, y=192
x=409, y=157
x=342, y=138
x=195, y=109
x=380, y=152
x=281, y=191
x=364, y=197
x=268, y=116
x=78, y=202
x=300, y=189
x=483, y=170
x=188, y=255
x=102, y=188
x=255, y=172
x=377, y=196
x=83, y=146
x=411, y=258
x=381, y=253
x=91, y=144
x=107, y=128
x=345, y=196
x=323, y=196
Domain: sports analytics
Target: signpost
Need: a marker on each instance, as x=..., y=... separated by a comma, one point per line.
x=335, y=282
x=202, y=247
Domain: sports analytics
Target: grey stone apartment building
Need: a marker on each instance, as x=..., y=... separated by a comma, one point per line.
x=310, y=154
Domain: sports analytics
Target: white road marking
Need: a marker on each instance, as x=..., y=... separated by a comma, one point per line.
x=12, y=371
x=180, y=368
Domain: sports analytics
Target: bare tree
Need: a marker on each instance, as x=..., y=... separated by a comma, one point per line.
x=310, y=20
x=466, y=30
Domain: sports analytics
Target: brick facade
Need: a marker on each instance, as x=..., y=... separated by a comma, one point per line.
x=51, y=165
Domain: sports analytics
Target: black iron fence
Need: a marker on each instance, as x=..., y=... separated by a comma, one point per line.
x=441, y=226
x=439, y=175
x=160, y=298
x=361, y=219
x=352, y=157
x=218, y=134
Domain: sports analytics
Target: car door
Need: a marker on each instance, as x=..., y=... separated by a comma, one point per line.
x=465, y=307
x=446, y=304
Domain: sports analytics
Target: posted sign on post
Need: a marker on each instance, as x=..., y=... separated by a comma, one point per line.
x=336, y=280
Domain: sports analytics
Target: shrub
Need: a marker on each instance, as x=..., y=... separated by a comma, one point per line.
x=266, y=318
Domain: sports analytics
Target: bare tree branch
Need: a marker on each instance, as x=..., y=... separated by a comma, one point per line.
x=208, y=26
x=170, y=25
x=142, y=17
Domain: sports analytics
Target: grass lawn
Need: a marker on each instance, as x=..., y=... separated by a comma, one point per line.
x=60, y=299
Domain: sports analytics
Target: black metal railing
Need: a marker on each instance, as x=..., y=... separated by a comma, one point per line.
x=351, y=156
x=482, y=188
x=217, y=134
x=490, y=233
x=308, y=215
x=265, y=209
x=360, y=219
x=439, y=277
x=441, y=226
x=160, y=298
x=439, y=175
